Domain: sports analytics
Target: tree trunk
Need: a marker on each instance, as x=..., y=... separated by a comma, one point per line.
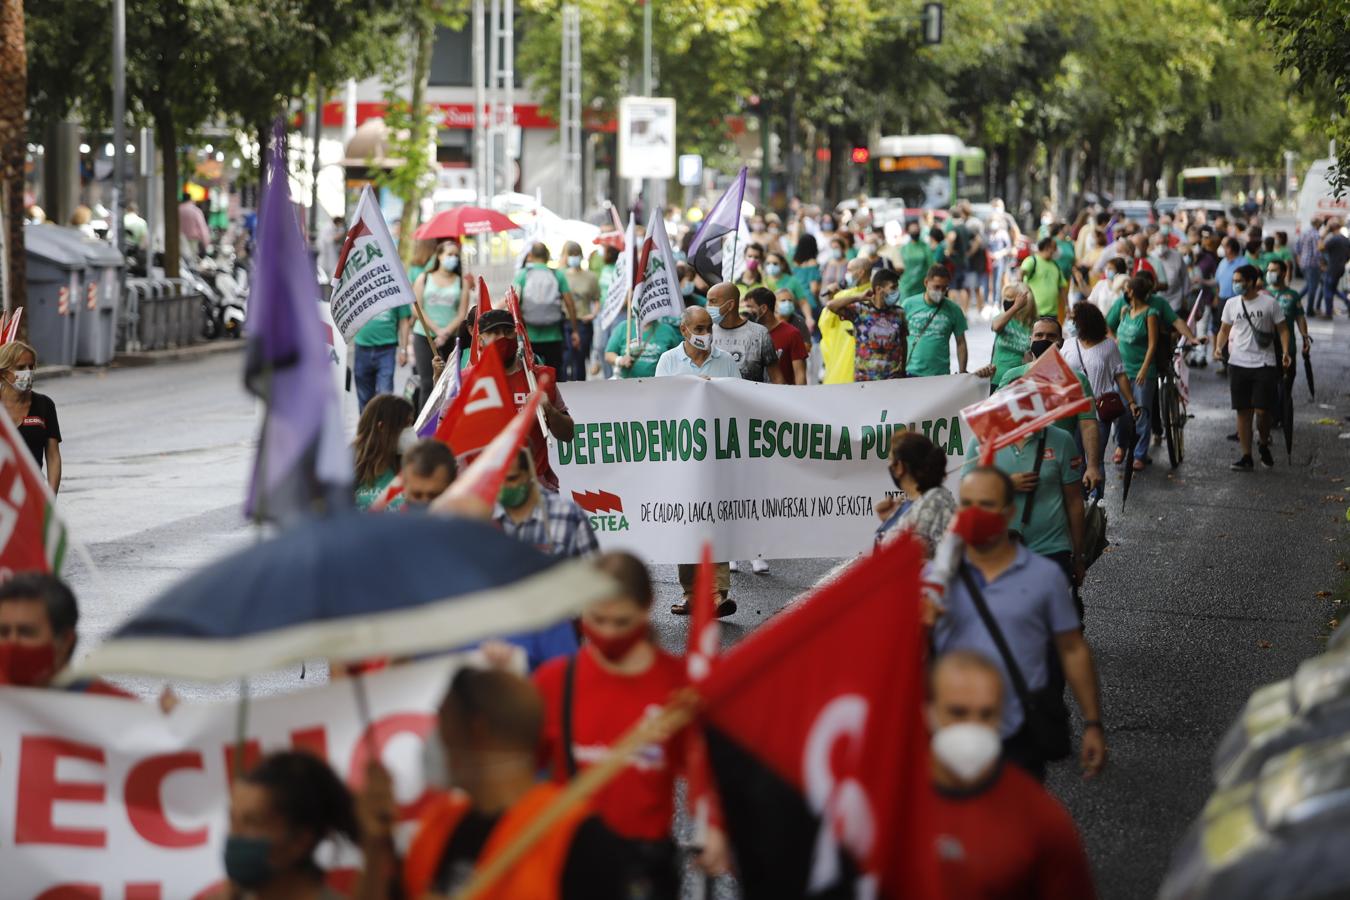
x=834, y=190
x=793, y=157
x=166, y=135
x=408, y=222
x=13, y=98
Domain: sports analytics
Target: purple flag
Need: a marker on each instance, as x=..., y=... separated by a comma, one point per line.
x=705, y=251
x=303, y=464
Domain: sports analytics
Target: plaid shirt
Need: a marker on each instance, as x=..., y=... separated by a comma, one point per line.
x=556, y=526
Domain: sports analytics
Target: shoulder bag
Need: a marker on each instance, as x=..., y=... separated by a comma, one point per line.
x=1044, y=714
x=1110, y=406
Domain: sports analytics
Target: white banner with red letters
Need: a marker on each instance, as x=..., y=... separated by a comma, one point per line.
x=776, y=471
x=103, y=797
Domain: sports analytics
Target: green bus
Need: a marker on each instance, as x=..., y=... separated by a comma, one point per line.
x=927, y=171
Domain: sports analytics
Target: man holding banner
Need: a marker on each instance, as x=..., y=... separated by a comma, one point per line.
x=698, y=356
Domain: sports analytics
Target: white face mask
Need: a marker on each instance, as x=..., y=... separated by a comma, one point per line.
x=700, y=341
x=406, y=438
x=934, y=295
x=967, y=749
x=23, y=380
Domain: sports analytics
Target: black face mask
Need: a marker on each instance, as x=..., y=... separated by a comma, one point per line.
x=1007, y=305
x=1039, y=347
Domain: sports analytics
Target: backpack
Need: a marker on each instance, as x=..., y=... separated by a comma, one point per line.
x=541, y=303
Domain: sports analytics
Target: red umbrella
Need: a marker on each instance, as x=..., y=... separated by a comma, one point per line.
x=464, y=220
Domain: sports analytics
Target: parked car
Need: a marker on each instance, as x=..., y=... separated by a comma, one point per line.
x=1166, y=206
x=1140, y=211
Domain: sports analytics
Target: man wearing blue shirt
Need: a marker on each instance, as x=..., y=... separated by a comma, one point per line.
x=1233, y=258
x=697, y=356
x=1028, y=598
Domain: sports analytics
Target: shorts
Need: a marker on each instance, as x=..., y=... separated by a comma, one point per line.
x=1252, y=388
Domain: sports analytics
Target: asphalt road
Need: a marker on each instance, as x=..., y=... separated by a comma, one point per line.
x=1208, y=591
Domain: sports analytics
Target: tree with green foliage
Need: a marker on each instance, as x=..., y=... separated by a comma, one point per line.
x=1311, y=39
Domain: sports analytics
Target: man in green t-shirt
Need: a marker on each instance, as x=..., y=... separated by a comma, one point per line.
x=1064, y=251
x=932, y=321
x=916, y=258
x=544, y=297
x=1046, y=333
x=638, y=358
x=1048, y=285
x=1054, y=526
x=381, y=344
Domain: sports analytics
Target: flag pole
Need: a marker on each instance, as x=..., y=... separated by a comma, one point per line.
x=676, y=714
x=426, y=326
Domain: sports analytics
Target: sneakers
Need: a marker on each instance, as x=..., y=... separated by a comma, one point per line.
x=1233, y=437
x=759, y=566
x=734, y=566
x=1266, y=459
x=1243, y=465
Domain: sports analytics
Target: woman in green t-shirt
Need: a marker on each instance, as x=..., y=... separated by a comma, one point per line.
x=382, y=434
x=1012, y=329
x=1137, y=336
x=440, y=292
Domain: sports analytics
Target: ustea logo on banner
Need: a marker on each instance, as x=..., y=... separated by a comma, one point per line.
x=606, y=509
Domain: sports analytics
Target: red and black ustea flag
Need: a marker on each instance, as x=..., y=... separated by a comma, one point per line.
x=818, y=745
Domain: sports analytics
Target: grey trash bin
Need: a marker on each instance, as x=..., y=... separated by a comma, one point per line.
x=55, y=285
x=97, y=332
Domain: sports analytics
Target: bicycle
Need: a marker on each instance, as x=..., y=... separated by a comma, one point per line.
x=1173, y=397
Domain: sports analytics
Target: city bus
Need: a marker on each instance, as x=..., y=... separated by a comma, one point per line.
x=1204, y=183
x=927, y=171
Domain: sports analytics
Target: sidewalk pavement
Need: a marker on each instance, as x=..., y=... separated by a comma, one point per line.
x=150, y=358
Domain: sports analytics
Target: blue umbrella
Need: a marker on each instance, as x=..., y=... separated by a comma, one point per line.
x=348, y=588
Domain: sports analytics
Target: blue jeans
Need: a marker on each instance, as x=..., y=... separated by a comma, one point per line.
x=1143, y=398
x=1312, y=291
x=1329, y=293
x=373, y=370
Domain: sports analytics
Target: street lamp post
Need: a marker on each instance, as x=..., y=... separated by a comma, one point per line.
x=119, y=116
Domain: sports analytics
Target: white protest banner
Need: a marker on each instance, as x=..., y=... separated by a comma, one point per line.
x=616, y=297
x=658, y=296
x=103, y=797
x=778, y=471
x=369, y=277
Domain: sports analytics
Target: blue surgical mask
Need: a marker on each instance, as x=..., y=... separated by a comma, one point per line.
x=850, y=280
x=687, y=289
x=715, y=313
x=773, y=270
x=450, y=263
x=892, y=298
x=574, y=262
x=680, y=256
x=785, y=308
x=836, y=253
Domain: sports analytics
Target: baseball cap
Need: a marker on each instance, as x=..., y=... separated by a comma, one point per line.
x=496, y=318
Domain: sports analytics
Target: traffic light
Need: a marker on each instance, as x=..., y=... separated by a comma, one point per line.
x=860, y=155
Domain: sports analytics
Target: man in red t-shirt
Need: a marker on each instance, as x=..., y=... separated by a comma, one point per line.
x=787, y=340
x=38, y=615
x=499, y=329
x=979, y=855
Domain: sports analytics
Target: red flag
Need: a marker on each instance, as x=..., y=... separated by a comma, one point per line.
x=704, y=635
x=513, y=304
x=1047, y=392
x=483, y=478
x=32, y=538
x=484, y=304
x=703, y=649
x=816, y=735
x=482, y=409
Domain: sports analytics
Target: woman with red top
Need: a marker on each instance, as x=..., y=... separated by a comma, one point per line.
x=593, y=698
